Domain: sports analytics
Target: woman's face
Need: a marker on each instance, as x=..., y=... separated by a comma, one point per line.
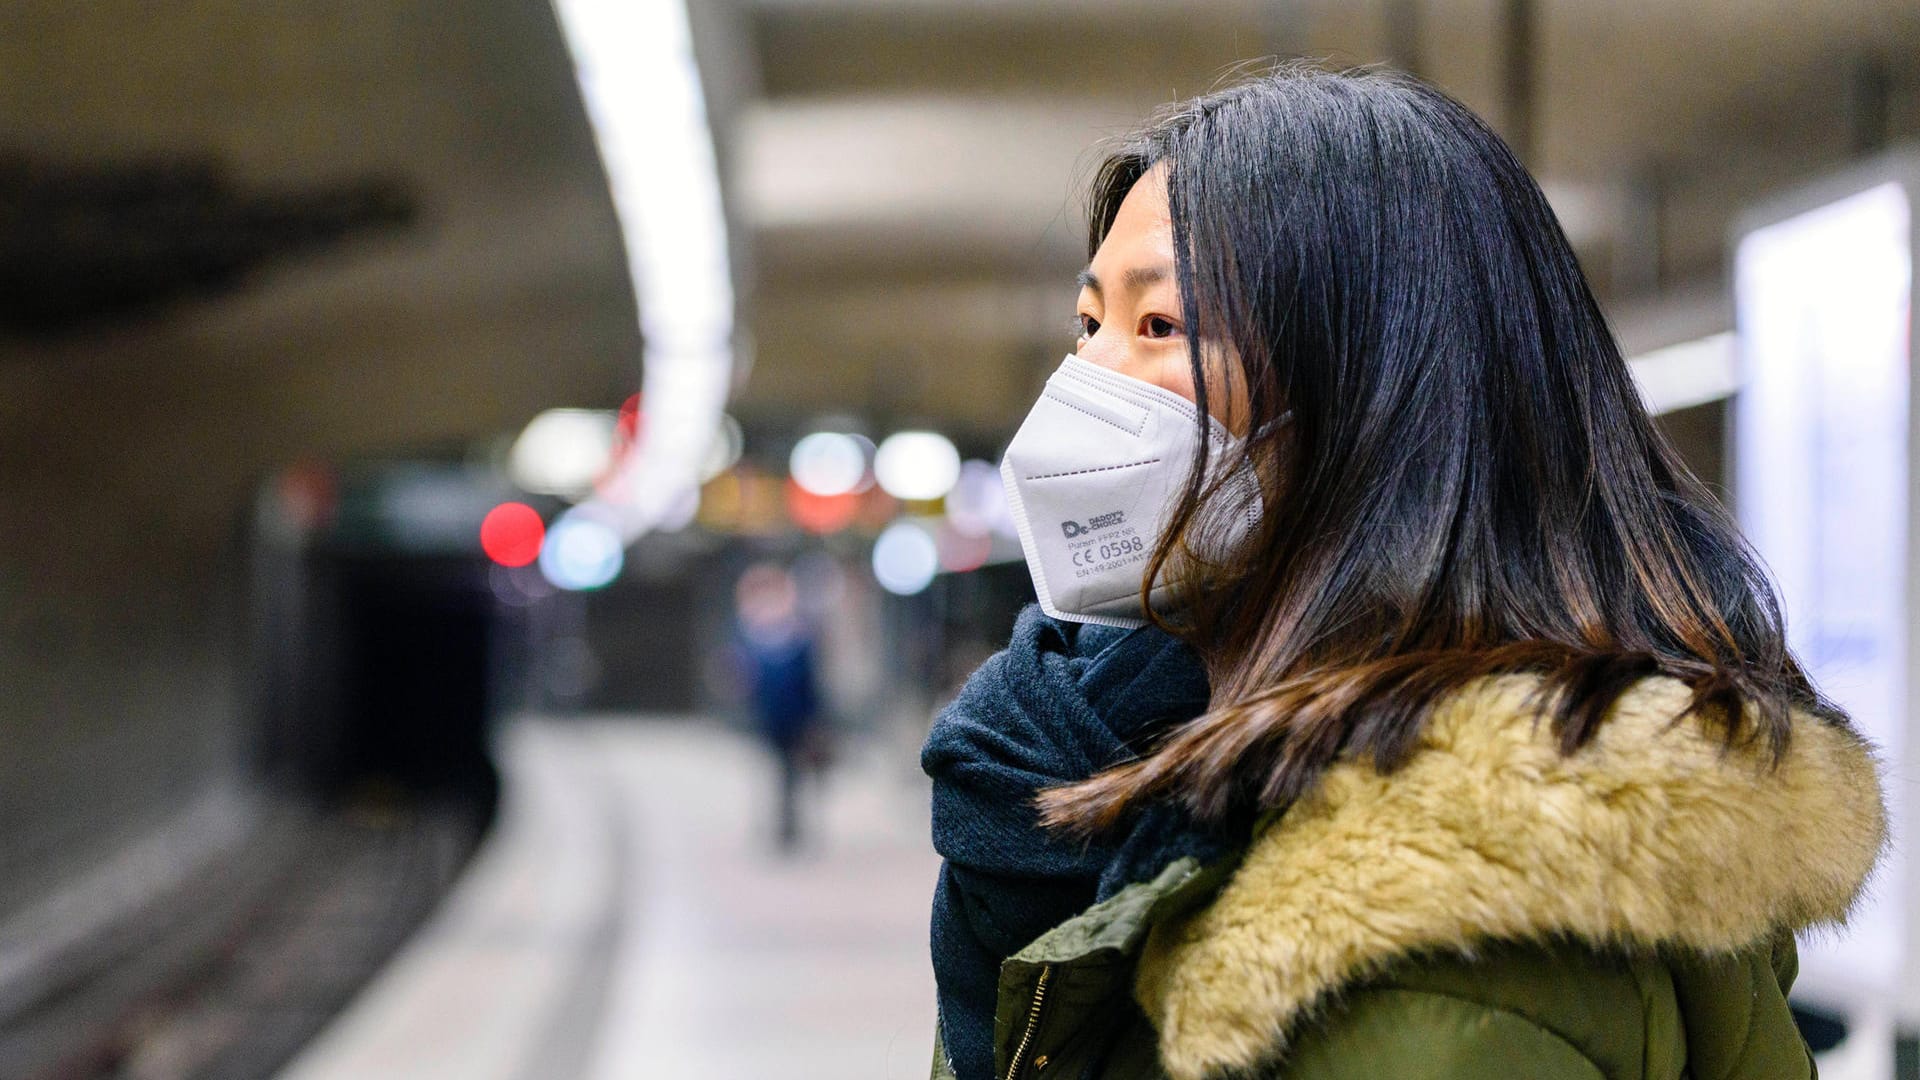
x=1128, y=314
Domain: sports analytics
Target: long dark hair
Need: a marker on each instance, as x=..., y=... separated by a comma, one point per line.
x=1459, y=476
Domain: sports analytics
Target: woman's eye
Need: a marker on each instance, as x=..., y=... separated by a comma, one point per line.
x=1158, y=326
x=1086, y=325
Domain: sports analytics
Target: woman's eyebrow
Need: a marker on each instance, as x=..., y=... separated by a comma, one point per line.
x=1134, y=279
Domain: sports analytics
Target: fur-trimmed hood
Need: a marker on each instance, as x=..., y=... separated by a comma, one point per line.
x=1655, y=835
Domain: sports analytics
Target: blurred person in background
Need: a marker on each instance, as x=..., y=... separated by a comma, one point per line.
x=1397, y=704
x=776, y=647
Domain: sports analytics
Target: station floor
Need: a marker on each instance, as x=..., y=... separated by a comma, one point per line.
x=628, y=917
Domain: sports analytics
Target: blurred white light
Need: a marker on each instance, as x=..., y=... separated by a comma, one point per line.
x=679, y=515
x=635, y=64
x=827, y=463
x=867, y=452
x=729, y=442
x=1691, y=373
x=562, y=452
x=905, y=558
x=581, y=552
x=977, y=505
x=917, y=465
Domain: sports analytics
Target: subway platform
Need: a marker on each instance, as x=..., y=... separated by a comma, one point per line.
x=628, y=916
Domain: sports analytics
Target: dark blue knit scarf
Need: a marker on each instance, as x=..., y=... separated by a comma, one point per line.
x=1062, y=702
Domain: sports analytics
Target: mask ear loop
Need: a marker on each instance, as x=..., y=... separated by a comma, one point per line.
x=1251, y=492
x=1275, y=424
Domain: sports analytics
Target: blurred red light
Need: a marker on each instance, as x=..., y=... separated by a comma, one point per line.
x=626, y=434
x=511, y=534
x=820, y=514
x=628, y=421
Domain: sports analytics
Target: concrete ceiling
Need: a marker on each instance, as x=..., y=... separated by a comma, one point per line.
x=909, y=172
x=469, y=109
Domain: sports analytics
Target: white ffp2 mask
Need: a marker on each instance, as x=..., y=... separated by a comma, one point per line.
x=1093, y=476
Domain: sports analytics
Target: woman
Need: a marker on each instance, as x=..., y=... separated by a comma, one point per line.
x=1464, y=740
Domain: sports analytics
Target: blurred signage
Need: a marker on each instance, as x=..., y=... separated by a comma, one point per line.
x=1824, y=466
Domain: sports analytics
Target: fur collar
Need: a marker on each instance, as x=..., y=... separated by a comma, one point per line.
x=1652, y=835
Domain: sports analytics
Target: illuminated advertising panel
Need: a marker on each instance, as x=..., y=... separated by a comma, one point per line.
x=1823, y=452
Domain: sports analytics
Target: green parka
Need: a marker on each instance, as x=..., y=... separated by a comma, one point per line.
x=1492, y=909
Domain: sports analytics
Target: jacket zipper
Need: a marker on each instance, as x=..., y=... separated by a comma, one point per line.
x=1033, y=1022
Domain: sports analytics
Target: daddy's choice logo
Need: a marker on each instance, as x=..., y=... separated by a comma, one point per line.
x=1094, y=524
